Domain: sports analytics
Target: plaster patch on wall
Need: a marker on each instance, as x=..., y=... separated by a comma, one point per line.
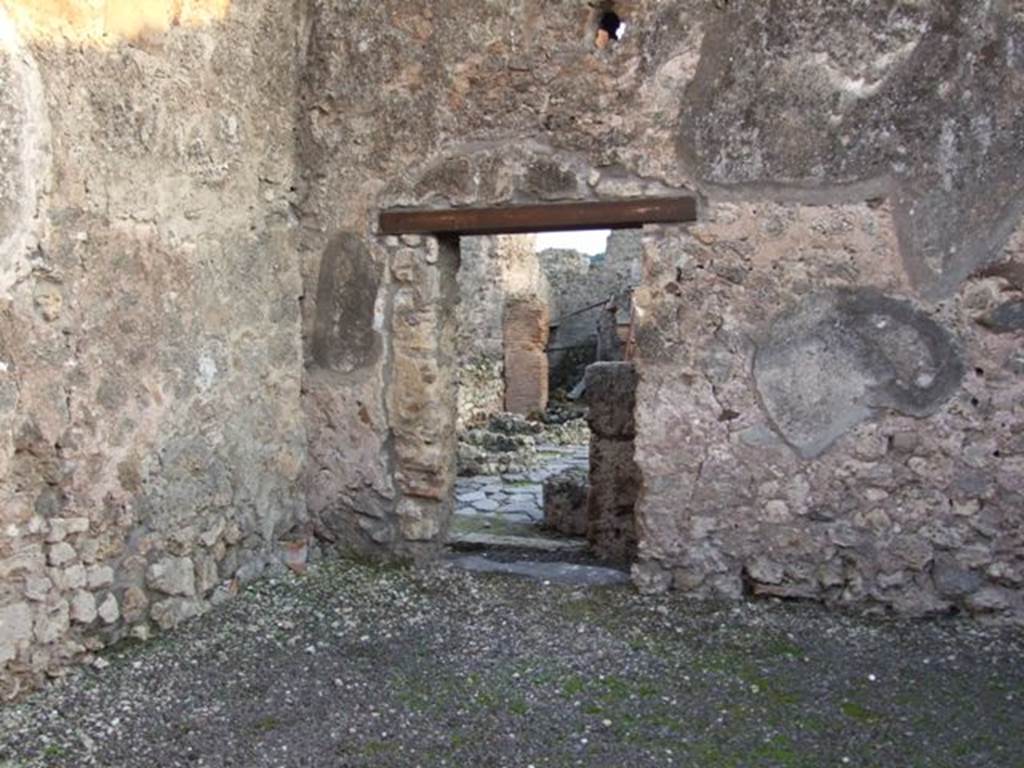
x=842, y=356
x=24, y=154
x=207, y=373
x=346, y=334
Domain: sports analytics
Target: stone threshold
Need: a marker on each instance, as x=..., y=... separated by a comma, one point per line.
x=553, y=572
x=476, y=541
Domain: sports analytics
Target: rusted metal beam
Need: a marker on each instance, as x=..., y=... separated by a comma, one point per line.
x=553, y=217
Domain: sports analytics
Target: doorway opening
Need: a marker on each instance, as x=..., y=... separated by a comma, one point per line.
x=535, y=312
x=543, y=389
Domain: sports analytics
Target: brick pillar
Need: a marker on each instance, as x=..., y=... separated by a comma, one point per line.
x=526, y=362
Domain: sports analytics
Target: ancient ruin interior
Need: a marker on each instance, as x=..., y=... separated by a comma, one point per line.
x=216, y=361
x=533, y=322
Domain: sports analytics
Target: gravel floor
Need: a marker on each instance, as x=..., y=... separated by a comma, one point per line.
x=356, y=666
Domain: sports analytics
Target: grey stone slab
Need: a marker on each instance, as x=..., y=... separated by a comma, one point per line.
x=552, y=448
x=537, y=543
x=521, y=507
x=485, y=505
x=470, y=497
x=558, y=573
x=517, y=518
x=522, y=490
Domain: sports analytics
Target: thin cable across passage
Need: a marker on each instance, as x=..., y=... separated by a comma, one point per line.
x=558, y=322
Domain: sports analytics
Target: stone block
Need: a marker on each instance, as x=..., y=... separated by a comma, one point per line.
x=61, y=554
x=765, y=571
x=206, y=574
x=420, y=520
x=525, y=334
x=611, y=398
x=108, y=610
x=37, y=587
x=565, y=503
x=52, y=622
x=173, y=611
x=15, y=630
x=100, y=576
x=62, y=527
x=611, y=502
x=952, y=580
x=989, y=600
x=172, y=576
x=83, y=607
x=74, y=577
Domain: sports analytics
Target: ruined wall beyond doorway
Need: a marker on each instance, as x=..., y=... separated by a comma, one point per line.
x=526, y=361
x=492, y=270
x=580, y=288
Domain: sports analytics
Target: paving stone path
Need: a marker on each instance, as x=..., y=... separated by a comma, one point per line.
x=500, y=517
x=486, y=501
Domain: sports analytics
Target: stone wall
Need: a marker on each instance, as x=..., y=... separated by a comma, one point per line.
x=151, y=436
x=809, y=427
x=811, y=417
x=580, y=286
x=830, y=376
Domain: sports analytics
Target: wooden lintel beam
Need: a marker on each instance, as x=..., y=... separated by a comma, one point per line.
x=553, y=217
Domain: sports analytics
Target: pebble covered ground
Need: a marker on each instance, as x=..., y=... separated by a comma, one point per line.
x=351, y=665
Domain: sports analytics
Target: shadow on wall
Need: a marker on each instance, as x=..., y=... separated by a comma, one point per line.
x=108, y=22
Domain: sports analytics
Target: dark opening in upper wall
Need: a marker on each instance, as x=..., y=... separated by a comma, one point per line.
x=610, y=28
x=612, y=24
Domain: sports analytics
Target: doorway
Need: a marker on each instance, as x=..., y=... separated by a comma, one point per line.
x=520, y=329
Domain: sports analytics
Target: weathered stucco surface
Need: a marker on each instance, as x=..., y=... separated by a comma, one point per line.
x=205, y=347
x=919, y=100
x=865, y=440
x=151, y=435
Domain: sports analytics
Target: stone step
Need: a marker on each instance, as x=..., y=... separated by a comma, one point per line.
x=477, y=540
